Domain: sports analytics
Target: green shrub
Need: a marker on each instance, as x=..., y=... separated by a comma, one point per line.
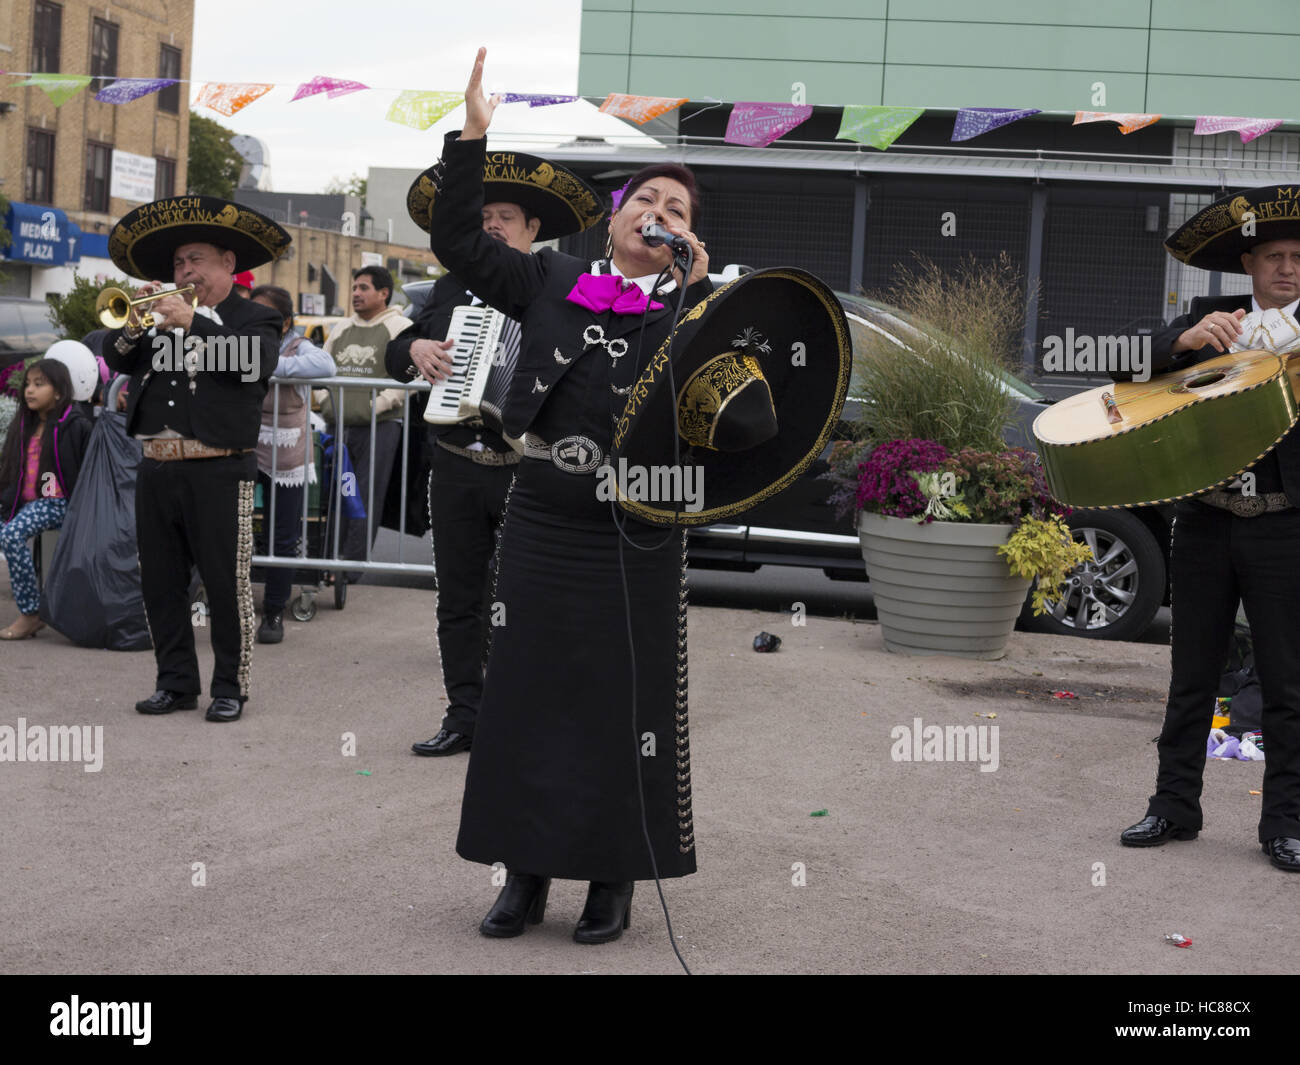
x=948, y=388
x=73, y=314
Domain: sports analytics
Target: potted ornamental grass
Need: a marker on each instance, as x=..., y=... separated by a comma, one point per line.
x=955, y=525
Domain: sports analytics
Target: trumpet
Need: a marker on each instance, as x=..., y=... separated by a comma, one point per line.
x=113, y=307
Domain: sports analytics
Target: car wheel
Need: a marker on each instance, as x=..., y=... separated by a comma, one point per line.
x=1116, y=595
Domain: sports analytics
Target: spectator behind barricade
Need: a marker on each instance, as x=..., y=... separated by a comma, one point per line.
x=94, y=340
x=243, y=283
x=358, y=344
x=38, y=470
x=285, y=436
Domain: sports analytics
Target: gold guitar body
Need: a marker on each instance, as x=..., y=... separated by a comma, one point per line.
x=1179, y=434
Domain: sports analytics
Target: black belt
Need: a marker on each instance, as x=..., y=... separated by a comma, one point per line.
x=1244, y=506
x=571, y=454
x=484, y=457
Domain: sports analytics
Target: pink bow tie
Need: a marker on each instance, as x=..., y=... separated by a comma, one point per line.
x=605, y=292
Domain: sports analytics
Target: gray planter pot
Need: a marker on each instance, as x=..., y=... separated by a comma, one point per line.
x=941, y=588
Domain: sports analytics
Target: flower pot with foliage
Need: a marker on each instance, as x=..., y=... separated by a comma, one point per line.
x=954, y=524
x=952, y=543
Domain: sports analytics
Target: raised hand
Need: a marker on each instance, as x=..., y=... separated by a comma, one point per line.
x=478, y=107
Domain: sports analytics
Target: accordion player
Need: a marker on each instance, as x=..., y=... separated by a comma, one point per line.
x=471, y=461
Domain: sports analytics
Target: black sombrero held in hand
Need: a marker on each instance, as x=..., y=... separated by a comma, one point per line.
x=562, y=200
x=144, y=242
x=761, y=368
x=1215, y=237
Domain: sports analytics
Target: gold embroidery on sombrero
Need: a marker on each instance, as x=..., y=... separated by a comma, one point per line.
x=187, y=210
x=707, y=391
x=1219, y=219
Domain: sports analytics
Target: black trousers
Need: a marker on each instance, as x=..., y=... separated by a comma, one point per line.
x=388, y=439
x=468, y=504
x=1217, y=561
x=288, y=536
x=198, y=512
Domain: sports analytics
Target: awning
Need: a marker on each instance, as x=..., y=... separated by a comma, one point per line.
x=42, y=236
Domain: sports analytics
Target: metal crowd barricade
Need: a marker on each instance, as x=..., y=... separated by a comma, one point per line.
x=330, y=517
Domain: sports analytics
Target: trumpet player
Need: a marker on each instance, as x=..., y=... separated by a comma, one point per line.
x=198, y=421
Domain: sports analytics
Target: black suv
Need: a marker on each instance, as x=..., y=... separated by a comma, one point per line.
x=1115, y=597
x=25, y=329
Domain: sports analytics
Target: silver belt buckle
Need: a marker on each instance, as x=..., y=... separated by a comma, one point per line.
x=576, y=454
x=1247, y=506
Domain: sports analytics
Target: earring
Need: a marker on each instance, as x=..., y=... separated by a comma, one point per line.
x=609, y=246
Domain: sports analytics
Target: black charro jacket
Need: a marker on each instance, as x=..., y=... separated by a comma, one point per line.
x=531, y=288
x=225, y=411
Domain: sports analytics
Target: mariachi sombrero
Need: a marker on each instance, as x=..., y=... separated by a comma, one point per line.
x=1215, y=237
x=144, y=242
x=761, y=369
x=556, y=195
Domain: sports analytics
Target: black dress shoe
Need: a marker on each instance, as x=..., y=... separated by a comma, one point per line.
x=164, y=702
x=607, y=913
x=522, y=902
x=1283, y=852
x=1153, y=831
x=272, y=628
x=227, y=708
x=443, y=743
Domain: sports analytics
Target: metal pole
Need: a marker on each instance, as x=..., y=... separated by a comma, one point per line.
x=859, y=247
x=1033, y=274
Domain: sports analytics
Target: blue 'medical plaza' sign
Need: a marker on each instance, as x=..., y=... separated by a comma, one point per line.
x=40, y=235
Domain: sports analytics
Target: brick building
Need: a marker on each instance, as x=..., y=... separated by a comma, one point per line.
x=57, y=163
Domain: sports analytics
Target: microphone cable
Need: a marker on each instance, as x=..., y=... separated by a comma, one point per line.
x=627, y=595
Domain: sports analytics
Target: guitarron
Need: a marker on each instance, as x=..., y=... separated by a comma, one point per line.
x=1179, y=434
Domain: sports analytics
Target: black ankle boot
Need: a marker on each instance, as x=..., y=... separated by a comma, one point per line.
x=272, y=628
x=607, y=913
x=522, y=902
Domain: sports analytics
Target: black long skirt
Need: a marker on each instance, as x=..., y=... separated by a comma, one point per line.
x=551, y=787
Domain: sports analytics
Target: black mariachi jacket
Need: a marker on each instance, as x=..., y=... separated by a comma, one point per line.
x=531, y=288
x=71, y=432
x=225, y=411
x=1163, y=360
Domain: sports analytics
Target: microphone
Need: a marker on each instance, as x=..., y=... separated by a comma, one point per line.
x=656, y=236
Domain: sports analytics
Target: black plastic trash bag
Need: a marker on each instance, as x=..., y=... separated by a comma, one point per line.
x=92, y=584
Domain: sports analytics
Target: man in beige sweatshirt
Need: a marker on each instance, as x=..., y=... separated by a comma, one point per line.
x=357, y=345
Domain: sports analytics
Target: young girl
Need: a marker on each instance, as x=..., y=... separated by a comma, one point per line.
x=38, y=469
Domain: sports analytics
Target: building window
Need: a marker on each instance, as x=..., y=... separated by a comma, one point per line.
x=164, y=182
x=169, y=66
x=47, y=32
x=103, y=50
x=38, y=184
x=99, y=165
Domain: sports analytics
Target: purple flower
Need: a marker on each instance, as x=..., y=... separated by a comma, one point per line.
x=885, y=482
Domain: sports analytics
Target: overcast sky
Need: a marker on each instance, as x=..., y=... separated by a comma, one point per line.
x=532, y=47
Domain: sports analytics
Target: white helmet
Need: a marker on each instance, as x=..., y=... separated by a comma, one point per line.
x=81, y=364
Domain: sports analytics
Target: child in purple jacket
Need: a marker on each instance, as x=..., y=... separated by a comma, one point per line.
x=38, y=469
